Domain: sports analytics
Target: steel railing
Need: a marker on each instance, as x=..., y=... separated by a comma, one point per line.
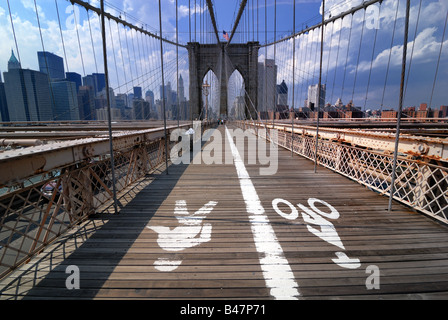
x=419, y=184
x=46, y=190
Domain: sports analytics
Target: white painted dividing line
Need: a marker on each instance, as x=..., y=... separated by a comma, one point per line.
x=277, y=273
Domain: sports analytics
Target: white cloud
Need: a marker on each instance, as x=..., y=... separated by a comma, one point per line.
x=424, y=49
x=30, y=5
x=137, y=57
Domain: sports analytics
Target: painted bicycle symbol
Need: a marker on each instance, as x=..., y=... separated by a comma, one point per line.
x=319, y=225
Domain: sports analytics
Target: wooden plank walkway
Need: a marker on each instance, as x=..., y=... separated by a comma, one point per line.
x=191, y=235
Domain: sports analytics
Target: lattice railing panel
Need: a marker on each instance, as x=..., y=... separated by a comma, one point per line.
x=31, y=217
x=423, y=186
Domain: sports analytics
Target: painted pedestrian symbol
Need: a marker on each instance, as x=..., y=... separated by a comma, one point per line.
x=191, y=232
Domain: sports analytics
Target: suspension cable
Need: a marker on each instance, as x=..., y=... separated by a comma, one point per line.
x=320, y=83
x=75, y=106
x=91, y=41
x=346, y=58
x=293, y=77
x=413, y=46
x=337, y=60
x=390, y=56
x=14, y=32
x=438, y=61
x=359, y=54
x=163, y=88
x=45, y=58
x=371, y=65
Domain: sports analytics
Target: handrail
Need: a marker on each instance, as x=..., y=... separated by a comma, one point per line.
x=420, y=185
x=19, y=164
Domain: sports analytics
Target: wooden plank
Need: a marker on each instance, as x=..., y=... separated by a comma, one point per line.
x=116, y=255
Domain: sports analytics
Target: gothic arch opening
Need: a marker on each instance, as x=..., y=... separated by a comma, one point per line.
x=223, y=59
x=210, y=96
x=236, y=96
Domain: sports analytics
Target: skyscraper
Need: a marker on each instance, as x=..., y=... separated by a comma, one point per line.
x=95, y=80
x=51, y=64
x=27, y=93
x=4, y=114
x=74, y=77
x=149, y=97
x=86, y=103
x=100, y=81
x=267, y=85
x=282, y=94
x=138, y=93
x=65, y=100
x=141, y=109
x=13, y=63
x=313, y=96
x=181, y=92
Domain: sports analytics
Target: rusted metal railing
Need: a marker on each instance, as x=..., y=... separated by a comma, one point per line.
x=46, y=190
x=422, y=165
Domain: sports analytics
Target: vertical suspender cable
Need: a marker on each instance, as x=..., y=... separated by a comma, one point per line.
x=91, y=41
x=265, y=58
x=177, y=67
x=438, y=62
x=390, y=56
x=50, y=82
x=275, y=56
x=14, y=32
x=163, y=88
x=194, y=21
x=319, y=88
x=63, y=47
x=189, y=18
x=400, y=104
x=79, y=41
x=293, y=75
x=106, y=75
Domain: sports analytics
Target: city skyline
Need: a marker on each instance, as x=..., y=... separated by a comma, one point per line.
x=366, y=66
x=64, y=103
x=50, y=94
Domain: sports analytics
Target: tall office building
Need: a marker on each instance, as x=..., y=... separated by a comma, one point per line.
x=181, y=92
x=65, y=100
x=51, y=64
x=313, y=96
x=100, y=80
x=74, y=77
x=282, y=94
x=64, y=92
x=267, y=85
x=95, y=80
x=141, y=109
x=166, y=91
x=86, y=103
x=149, y=97
x=27, y=93
x=13, y=63
x=138, y=93
x=4, y=114
x=121, y=100
x=443, y=113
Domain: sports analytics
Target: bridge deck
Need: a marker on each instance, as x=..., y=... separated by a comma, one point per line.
x=223, y=254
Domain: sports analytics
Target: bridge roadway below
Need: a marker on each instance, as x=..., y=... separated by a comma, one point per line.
x=215, y=231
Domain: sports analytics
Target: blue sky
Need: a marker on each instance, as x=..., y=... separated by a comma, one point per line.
x=367, y=65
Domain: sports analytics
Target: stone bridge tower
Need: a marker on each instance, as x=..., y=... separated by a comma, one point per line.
x=223, y=60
